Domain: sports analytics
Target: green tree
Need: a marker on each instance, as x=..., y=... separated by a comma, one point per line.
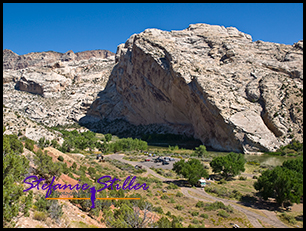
x=74, y=165
x=164, y=222
x=108, y=137
x=12, y=143
x=46, y=168
x=193, y=170
x=29, y=144
x=201, y=151
x=229, y=166
x=41, y=142
x=284, y=183
x=54, y=143
x=15, y=167
x=67, y=145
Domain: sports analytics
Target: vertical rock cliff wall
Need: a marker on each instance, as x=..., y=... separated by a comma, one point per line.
x=207, y=81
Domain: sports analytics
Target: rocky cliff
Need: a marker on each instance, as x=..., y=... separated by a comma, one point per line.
x=38, y=59
x=57, y=92
x=210, y=82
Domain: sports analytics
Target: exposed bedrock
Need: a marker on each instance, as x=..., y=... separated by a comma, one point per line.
x=210, y=82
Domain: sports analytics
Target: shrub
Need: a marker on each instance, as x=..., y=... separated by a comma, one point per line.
x=158, y=210
x=60, y=158
x=179, y=194
x=200, y=204
x=289, y=218
x=74, y=165
x=242, y=178
x=179, y=207
x=214, y=206
x=229, y=209
x=204, y=215
x=195, y=221
x=29, y=144
x=172, y=186
x=222, y=213
x=40, y=216
x=222, y=181
x=164, y=197
x=194, y=213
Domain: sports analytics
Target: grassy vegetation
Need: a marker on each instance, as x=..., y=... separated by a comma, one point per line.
x=170, y=203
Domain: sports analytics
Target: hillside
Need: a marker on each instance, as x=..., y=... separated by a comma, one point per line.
x=207, y=81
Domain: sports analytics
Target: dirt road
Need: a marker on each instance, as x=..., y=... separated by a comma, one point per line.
x=252, y=216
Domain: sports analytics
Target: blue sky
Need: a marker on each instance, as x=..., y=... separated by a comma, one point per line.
x=37, y=27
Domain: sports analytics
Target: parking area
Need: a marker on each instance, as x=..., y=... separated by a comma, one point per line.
x=158, y=164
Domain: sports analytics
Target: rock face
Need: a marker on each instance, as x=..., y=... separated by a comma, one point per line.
x=57, y=93
x=211, y=82
x=45, y=83
x=39, y=59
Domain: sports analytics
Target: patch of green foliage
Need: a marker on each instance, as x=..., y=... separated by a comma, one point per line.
x=15, y=167
x=294, y=148
x=193, y=170
x=229, y=166
x=284, y=183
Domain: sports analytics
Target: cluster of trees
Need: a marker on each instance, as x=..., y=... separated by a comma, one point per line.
x=15, y=167
x=294, y=148
x=127, y=144
x=228, y=166
x=75, y=140
x=284, y=183
x=46, y=168
x=80, y=141
x=193, y=170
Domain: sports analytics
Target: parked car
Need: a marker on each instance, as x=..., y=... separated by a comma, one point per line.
x=172, y=159
x=165, y=162
x=158, y=159
x=147, y=159
x=138, y=166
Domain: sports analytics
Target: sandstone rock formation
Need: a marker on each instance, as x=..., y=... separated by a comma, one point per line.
x=39, y=59
x=58, y=93
x=211, y=82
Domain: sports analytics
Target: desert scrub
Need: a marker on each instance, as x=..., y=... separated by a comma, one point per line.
x=164, y=197
x=158, y=210
x=222, y=213
x=179, y=194
x=289, y=218
x=179, y=207
x=194, y=213
x=40, y=216
x=172, y=186
x=200, y=204
x=218, y=205
x=204, y=215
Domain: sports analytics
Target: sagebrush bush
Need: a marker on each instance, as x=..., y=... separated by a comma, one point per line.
x=172, y=186
x=179, y=194
x=222, y=213
x=158, y=209
x=179, y=207
x=194, y=213
x=40, y=216
x=204, y=215
x=200, y=204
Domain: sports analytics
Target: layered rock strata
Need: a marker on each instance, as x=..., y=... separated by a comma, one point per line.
x=210, y=82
